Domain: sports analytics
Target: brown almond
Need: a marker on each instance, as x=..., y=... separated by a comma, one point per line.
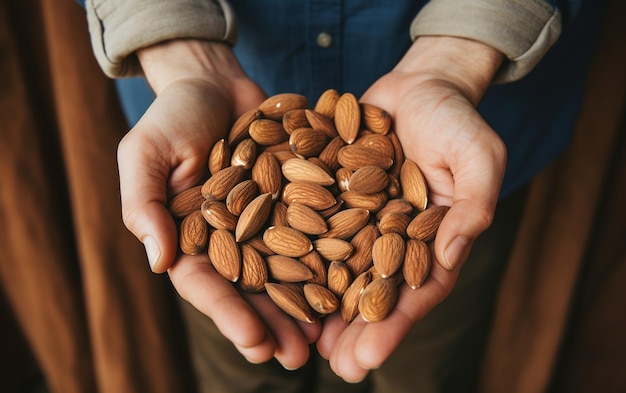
x=398, y=153
x=186, y=202
x=253, y=217
x=239, y=130
x=343, y=176
x=305, y=219
x=371, y=202
x=329, y=153
x=300, y=170
x=362, y=243
x=313, y=195
x=388, y=253
x=244, y=154
x=414, y=187
x=224, y=254
x=242, y=194
x=327, y=102
x=283, y=155
x=194, y=234
x=380, y=143
x=368, y=180
x=284, y=268
x=333, y=249
x=347, y=117
x=287, y=241
x=329, y=212
x=307, y=142
x=320, y=298
x=219, y=157
x=394, y=223
x=346, y=223
x=425, y=225
x=257, y=243
x=313, y=260
x=321, y=122
x=378, y=300
x=375, y=118
x=218, y=216
x=350, y=299
x=278, y=217
x=394, y=189
x=354, y=157
x=417, y=261
x=254, y=272
x=290, y=301
x=395, y=206
x=267, y=174
x=276, y=106
x=267, y=132
x=295, y=119
x=217, y=187
x=339, y=278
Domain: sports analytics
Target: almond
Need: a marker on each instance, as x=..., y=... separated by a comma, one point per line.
x=257, y=243
x=277, y=105
x=217, y=187
x=327, y=102
x=329, y=153
x=339, y=278
x=290, y=301
x=313, y=260
x=278, y=216
x=313, y=195
x=219, y=157
x=378, y=300
x=413, y=183
x=218, y=216
x=320, y=298
x=295, y=119
x=300, y=170
x=368, y=180
x=284, y=268
x=380, y=143
x=307, y=142
x=371, y=202
x=347, y=117
x=253, y=217
x=395, y=206
x=239, y=130
x=354, y=157
x=242, y=194
x=333, y=249
x=346, y=223
x=398, y=159
x=394, y=189
x=305, y=219
x=244, y=154
x=186, y=202
x=375, y=118
x=425, y=225
x=417, y=261
x=254, y=272
x=287, y=241
x=394, y=223
x=329, y=212
x=350, y=299
x=225, y=255
x=267, y=132
x=194, y=233
x=362, y=243
x=388, y=253
x=321, y=122
x=266, y=173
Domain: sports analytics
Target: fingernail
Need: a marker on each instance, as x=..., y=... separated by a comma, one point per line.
x=152, y=250
x=455, y=251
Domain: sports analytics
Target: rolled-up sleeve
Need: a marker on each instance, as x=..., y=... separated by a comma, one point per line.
x=118, y=28
x=523, y=30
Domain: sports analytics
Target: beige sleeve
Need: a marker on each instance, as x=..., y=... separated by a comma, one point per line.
x=523, y=30
x=118, y=28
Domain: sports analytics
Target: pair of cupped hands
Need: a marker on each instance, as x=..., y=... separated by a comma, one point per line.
x=200, y=89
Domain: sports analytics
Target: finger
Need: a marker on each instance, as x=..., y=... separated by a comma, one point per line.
x=196, y=281
x=343, y=359
x=334, y=325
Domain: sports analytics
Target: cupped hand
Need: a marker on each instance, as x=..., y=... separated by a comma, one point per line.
x=432, y=95
x=200, y=89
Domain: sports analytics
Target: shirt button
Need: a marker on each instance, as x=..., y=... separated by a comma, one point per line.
x=324, y=39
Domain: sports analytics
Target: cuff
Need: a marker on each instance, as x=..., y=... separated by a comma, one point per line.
x=523, y=30
x=118, y=28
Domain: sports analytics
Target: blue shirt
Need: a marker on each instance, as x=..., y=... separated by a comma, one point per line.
x=310, y=46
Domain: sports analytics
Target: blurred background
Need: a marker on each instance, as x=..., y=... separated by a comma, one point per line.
x=81, y=312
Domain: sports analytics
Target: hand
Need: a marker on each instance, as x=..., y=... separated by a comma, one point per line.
x=200, y=88
x=431, y=94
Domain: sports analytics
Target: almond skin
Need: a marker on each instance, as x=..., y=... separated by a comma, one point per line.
x=377, y=142
x=217, y=187
x=278, y=216
x=395, y=206
x=283, y=268
x=378, y=300
x=287, y=241
x=299, y=170
x=305, y=219
x=295, y=119
x=368, y=180
x=225, y=255
x=354, y=157
x=241, y=195
x=267, y=174
x=417, y=262
x=362, y=243
x=321, y=122
x=239, y=130
x=329, y=153
x=339, y=278
x=350, y=299
x=320, y=298
x=253, y=217
x=254, y=273
x=425, y=225
x=290, y=301
x=346, y=223
x=375, y=118
x=315, y=263
x=276, y=106
x=347, y=117
x=388, y=253
x=194, y=234
x=313, y=195
x=244, y=154
x=219, y=157
x=267, y=132
x=333, y=249
x=394, y=223
x=186, y=202
x=327, y=102
x=414, y=187
x=218, y=216
x=371, y=202
x=307, y=142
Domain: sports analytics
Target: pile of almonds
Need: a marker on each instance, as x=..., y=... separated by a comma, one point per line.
x=317, y=207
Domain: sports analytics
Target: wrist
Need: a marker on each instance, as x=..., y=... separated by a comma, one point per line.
x=469, y=65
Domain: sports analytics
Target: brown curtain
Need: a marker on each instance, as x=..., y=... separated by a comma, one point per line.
x=79, y=305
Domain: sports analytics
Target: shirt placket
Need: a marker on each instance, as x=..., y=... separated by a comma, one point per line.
x=324, y=44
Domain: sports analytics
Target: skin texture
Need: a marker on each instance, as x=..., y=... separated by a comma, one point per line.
x=200, y=87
